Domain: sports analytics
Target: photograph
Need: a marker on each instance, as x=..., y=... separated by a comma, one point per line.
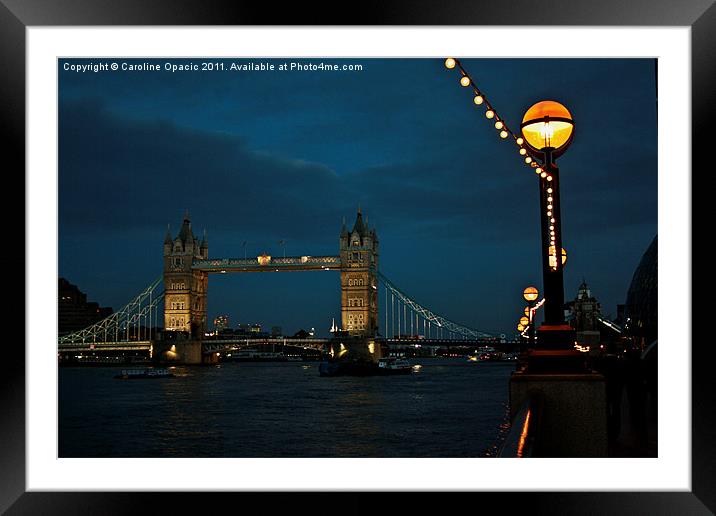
x=285, y=256
x=380, y=257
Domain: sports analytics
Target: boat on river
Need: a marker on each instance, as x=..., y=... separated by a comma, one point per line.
x=384, y=366
x=393, y=365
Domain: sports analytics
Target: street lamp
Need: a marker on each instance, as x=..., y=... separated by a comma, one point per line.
x=547, y=129
x=531, y=294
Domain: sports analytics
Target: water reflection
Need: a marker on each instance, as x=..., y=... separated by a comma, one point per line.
x=282, y=410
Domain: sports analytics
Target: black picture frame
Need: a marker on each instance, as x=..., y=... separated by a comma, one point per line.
x=17, y=15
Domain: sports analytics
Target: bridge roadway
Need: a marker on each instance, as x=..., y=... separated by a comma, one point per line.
x=211, y=345
x=132, y=345
x=208, y=345
x=228, y=344
x=267, y=263
x=445, y=342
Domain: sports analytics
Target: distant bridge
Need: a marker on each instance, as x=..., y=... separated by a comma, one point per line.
x=178, y=306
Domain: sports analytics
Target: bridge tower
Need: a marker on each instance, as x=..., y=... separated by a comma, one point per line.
x=359, y=284
x=185, y=289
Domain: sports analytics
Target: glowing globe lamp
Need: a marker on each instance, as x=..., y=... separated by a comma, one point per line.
x=530, y=294
x=547, y=126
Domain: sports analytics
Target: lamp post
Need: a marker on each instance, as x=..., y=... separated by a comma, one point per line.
x=556, y=370
x=547, y=129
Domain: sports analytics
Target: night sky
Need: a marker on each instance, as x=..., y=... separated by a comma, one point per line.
x=260, y=157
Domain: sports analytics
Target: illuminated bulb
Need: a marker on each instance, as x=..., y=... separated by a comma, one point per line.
x=450, y=63
x=551, y=227
x=549, y=190
x=523, y=152
x=533, y=164
x=549, y=206
x=478, y=100
x=503, y=134
x=520, y=141
x=528, y=160
x=465, y=80
x=549, y=178
x=549, y=213
x=539, y=170
x=549, y=199
x=499, y=124
x=543, y=174
x=489, y=113
x=551, y=233
x=551, y=220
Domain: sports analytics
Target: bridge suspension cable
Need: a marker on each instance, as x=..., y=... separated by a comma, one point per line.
x=133, y=322
x=434, y=325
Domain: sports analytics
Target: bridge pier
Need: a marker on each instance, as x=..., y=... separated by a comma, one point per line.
x=355, y=349
x=178, y=352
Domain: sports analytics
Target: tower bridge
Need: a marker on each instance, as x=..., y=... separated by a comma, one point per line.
x=181, y=307
x=187, y=267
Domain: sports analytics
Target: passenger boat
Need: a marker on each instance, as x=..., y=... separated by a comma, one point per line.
x=131, y=374
x=394, y=365
x=385, y=366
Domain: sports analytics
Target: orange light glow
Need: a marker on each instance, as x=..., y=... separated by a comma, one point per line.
x=523, y=435
x=530, y=293
x=547, y=124
x=553, y=260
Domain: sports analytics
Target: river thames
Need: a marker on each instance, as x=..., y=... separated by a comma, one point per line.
x=445, y=408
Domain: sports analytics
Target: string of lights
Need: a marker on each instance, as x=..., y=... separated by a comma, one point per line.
x=480, y=99
x=531, y=314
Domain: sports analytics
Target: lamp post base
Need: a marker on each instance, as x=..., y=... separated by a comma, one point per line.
x=573, y=415
x=555, y=351
x=556, y=336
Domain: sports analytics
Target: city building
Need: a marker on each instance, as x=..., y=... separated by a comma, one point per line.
x=642, y=299
x=221, y=322
x=73, y=310
x=584, y=314
x=250, y=331
x=301, y=334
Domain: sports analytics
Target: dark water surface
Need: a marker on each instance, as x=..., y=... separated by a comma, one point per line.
x=448, y=408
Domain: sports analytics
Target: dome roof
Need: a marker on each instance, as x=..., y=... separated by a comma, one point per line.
x=642, y=298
